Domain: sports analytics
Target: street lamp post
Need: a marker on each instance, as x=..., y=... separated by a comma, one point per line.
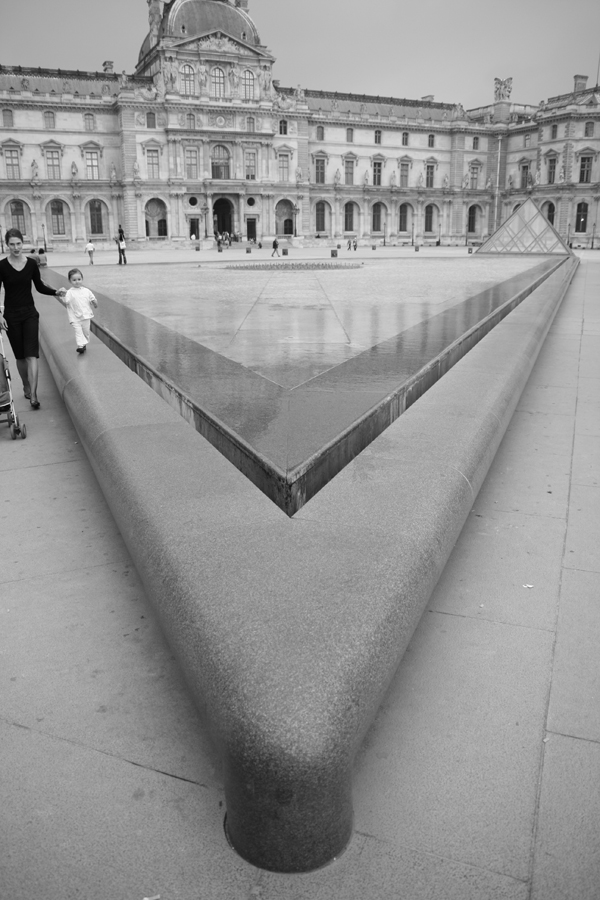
x=44, y=233
x=412, y=238
x=296, y=210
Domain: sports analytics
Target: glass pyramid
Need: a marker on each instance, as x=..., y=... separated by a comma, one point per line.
x=526, y=231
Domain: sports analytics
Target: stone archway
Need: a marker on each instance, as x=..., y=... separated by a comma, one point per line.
x=156, y=218
x=223, y=216
x=284, y=217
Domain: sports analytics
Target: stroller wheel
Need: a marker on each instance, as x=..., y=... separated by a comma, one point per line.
x=23, y=431
x=13, y=432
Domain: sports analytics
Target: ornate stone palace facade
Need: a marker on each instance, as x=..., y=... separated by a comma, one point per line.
x=200, y=138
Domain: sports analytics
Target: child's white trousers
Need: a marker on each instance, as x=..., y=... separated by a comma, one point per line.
x=82, y=331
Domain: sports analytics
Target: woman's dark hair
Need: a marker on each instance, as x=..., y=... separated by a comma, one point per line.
x=12, y=233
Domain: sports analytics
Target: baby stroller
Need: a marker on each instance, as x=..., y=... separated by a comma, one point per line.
x=7, y=407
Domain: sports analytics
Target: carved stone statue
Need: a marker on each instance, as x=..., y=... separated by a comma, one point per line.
x=136, y=169
x=124, y=78
x=154, y=19
x=488, y=183
x=159, y=82
x=170, y=73
x=202, y=76
x=537, y=176
x=74, y=169
x=366, y=178
x=502, y=88
x=234, y=78
x=561, y=175
x=300, y=94
x=34, y=169
x=510, y=182
x=465, y=183
x=445, y=182
x=393, y=178
x=298, y=175
x=337, y=177
x=363, y=109
x=335, y=104
x=113, y=174
x=420, y=180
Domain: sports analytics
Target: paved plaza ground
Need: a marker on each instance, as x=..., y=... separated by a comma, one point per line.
x=479, y=777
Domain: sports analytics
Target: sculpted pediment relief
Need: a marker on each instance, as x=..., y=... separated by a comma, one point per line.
x=217, y=42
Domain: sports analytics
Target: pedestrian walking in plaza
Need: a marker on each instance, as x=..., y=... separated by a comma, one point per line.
x=349, y=247
x=275, y=248
x=89, y=249
x=79, y=301
x=121, y=233
x=122, y=246
x=18, y=316
x=355, y=243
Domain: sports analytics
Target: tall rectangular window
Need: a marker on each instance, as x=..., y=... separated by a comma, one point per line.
x=92, y=167
x=13, y=169
x=377, y=169
x=431, y=140
x=475, y=143
x=474, y=178
x=7, y=118
x=429, y=173
x=152, y=163
x=191, y=163
x=49, y=120
x=405, y=138
x=53, y=167
x=284, y=167
x=348, y=171
x=585, y=170
x=320, y=171
x=377, y=136
x=250, y=162
x=524, y=177
x=552, y=170
x=96, y=224
x=349, y=135
x=57, y=214
x=554, y=132
x=404, y=174
x=527, y=140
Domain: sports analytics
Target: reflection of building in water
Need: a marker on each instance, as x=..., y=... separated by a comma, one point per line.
x=202, y=139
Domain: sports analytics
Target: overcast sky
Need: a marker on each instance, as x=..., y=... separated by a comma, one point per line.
x=452, y=49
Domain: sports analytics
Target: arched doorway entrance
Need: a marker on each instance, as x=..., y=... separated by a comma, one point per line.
x=284, y=217
x=223, y=216
x=156, y=218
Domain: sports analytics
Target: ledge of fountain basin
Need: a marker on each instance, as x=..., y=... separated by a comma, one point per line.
x=289, y=631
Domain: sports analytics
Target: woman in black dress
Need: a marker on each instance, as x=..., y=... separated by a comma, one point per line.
x=18, y=315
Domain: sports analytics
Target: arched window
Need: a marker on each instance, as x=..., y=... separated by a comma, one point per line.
x=217, y=83
x=349, y=217
x=320, y=133
x=191, y=121
x=248, y=85
x=320, y=216
x=250, y=124
x=403, y=218
x=150, y=120
x=188, y=81
x=282, y=126
x=349, y=135
x=589, y=129
x=220, y=162
x=550, y=212
x=429, y=218
x=88, y=122
x=377, y=217
x=581, y=218
x=472, y=221
x=96, y=223
x=49, y=120
x=57, y=217
x=7, y=118
x=17, y=215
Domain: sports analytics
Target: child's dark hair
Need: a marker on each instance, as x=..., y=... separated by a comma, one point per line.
x=73, y=272
x=41, y=250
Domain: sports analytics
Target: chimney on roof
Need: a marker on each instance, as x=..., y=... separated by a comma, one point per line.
x=428, y=98
x=108, y=67
x=580, y=83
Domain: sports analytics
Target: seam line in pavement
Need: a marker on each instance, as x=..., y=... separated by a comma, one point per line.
x=123, y=759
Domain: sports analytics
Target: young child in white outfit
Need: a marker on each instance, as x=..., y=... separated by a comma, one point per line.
x=79, y=302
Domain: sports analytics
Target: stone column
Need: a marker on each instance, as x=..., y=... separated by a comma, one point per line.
x=337, y=205
x=419, y=225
